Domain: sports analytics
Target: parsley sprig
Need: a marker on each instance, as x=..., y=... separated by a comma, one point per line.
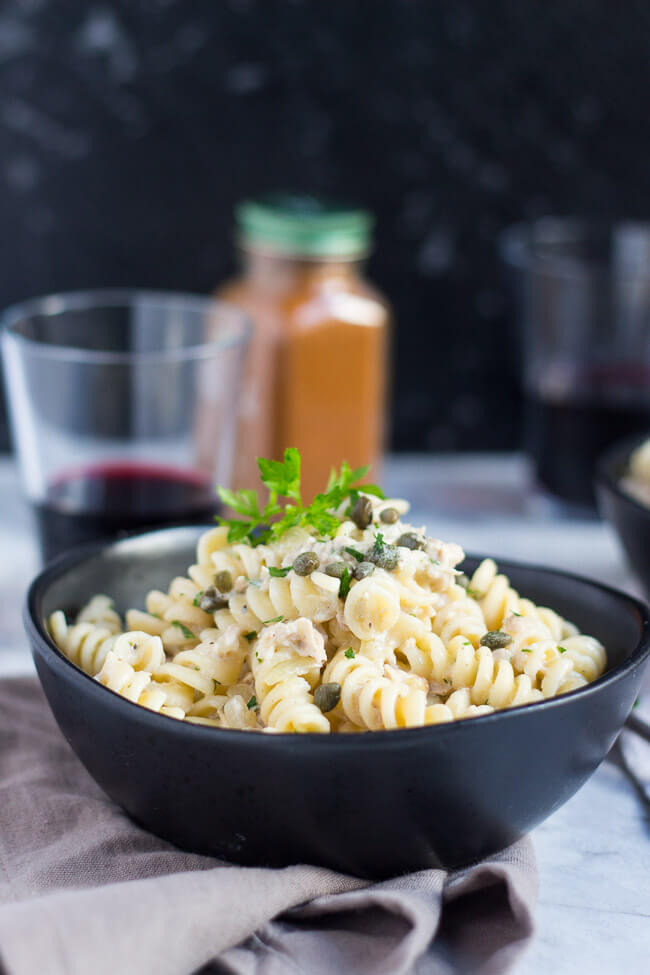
x=281, y=478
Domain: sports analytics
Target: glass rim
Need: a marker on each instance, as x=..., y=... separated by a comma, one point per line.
x=516, y=247
x=54, y=304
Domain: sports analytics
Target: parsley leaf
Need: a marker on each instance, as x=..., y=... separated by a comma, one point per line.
x=344, y=587
x=282, y=477
x=359, y=556
x=185, y=630
x=279, y=573
x=250, y=636
x=562, y=649
x=282, y=480
x=197, y=599
x=276, y=619
x=515, y=614
x=252, y=703
x=349, y=653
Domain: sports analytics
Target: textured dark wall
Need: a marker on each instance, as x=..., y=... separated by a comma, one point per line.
x=128, y=130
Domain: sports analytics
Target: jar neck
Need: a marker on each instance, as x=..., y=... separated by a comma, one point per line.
x=281, y=271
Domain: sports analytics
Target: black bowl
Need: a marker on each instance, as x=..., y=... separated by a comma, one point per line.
x=373, y=804
x=630, y=518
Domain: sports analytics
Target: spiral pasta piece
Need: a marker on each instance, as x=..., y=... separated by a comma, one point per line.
x=457, y=707
x=136, y=686
x=372, y=700
x=85, y=644
x=489, y=680
x=586, y=654
x=100, y=610
x=535, y=653
x=459, y=616
x=286, y=665
x=498, y=600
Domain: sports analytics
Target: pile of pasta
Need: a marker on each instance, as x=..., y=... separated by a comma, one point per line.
x=374, y=628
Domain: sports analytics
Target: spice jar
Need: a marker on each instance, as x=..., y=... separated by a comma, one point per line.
x=316, y=376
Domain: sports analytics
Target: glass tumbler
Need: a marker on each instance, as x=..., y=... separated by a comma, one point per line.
x=123, y=409
x=582, y=296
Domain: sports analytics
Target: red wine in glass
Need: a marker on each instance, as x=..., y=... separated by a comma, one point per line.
x=571, y=424
x=114, y=500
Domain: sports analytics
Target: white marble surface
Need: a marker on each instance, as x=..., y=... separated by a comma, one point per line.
x=594, y=853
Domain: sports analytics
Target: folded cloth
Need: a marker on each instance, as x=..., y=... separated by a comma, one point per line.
x=83, y=889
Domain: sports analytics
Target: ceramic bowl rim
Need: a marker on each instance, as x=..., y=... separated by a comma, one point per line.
x=87, y=685
x=613, y=458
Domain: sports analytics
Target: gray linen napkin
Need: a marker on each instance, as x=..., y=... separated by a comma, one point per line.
x=82, y=889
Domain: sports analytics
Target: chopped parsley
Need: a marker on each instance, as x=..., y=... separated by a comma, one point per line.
x=359, y=556
x=515, y=614
x=252, y=703
x=472, y=593
x=525, y=649
x=344, y=586
x=197, y=599
x=276, y=619
x=185, y=630
x=250, y=636
x=215, y=684
x=257, y=657
x=281, y=478
x=562, y=649
x=350, y=654
x=279, y=573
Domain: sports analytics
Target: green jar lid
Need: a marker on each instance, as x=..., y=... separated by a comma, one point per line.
x=304, y=226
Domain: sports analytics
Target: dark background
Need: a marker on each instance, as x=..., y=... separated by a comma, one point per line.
x=128, y=130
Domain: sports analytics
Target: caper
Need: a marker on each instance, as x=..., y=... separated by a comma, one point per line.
x=258, y=533
x=462, y=580
x=389, y=516
x=327, y=696
x=223, y=580
x=362, y=512
x=211, y=600
x=410, y=540
x=363, y=569
x=335, y=569
x=386, y=557
x=305, y=564
x=495, y=639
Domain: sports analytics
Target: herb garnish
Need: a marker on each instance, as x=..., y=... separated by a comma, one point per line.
x=185, y=630
x=279, y=573
x=250, y=636
x=472, y=593
x=197, y=599
x=562, y=649
x=344, y=586
x=359, y=556
x=252, y=703
x=282, y=480
x=515, y=614
x=276, y=619
x=349, y=653
x=215, y=684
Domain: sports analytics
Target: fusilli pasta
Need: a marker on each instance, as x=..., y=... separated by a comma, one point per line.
x=359, y=622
